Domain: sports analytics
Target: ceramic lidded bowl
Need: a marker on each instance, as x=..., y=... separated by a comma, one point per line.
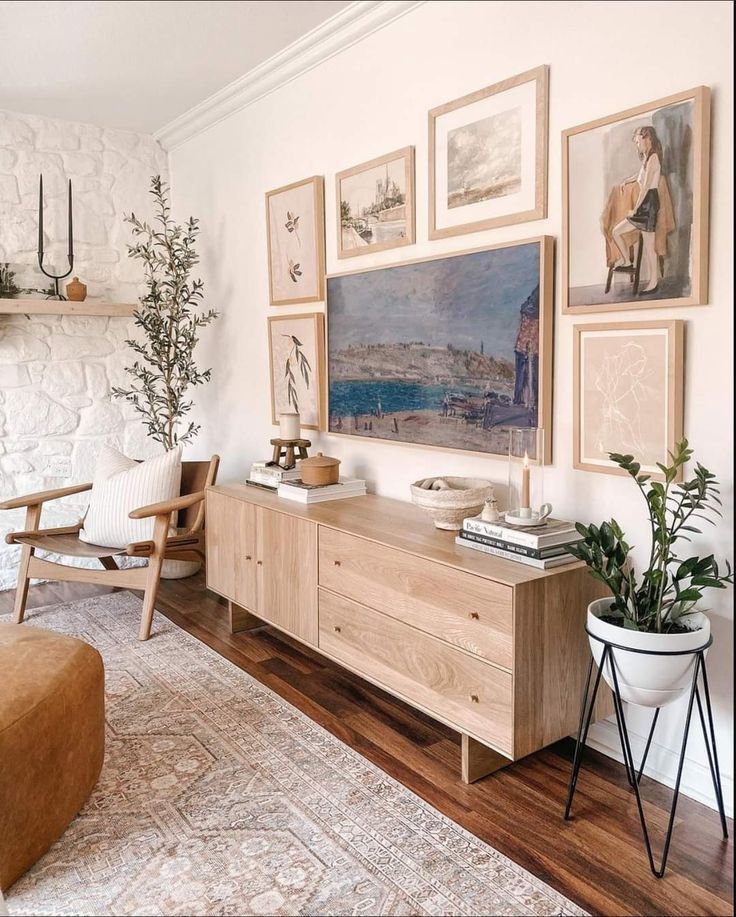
x=320, y=470
x=449, y=500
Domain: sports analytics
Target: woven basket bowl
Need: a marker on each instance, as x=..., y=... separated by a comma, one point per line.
x=464, y=497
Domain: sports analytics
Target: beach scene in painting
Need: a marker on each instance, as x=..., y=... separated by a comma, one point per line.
x=484, y=159
x=373, y=206
x=631, y=208
x=442, y=352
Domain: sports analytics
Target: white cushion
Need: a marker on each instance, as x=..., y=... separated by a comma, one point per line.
x=120, y=485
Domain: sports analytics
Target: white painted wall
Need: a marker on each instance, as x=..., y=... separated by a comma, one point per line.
x=56, y=372
x=373, y=98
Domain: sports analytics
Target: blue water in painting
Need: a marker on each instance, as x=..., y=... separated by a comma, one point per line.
x=362, y=397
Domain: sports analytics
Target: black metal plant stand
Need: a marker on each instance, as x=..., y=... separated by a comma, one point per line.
x=634, y=776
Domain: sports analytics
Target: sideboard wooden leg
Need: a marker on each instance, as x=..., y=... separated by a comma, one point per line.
x=478, y=760
x=242, y=619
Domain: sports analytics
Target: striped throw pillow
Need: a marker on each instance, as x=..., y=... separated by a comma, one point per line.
x=121, y=484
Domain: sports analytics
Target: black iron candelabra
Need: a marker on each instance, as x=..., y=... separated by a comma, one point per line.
x=57, y=294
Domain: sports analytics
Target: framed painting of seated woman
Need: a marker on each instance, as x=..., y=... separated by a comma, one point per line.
x=635, y=207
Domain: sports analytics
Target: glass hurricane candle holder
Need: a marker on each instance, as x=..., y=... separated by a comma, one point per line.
x=526, y=504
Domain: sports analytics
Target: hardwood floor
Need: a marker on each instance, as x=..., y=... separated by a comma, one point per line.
x=597, y=859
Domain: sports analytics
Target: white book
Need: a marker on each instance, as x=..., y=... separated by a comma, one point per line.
x=545, y=564
x=554, y=532
x=306, y=496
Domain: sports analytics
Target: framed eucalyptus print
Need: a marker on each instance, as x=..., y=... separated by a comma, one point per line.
x=488, y=157
x=635, y=207
x=296, y=360
x=295, y=218
x=628, y=393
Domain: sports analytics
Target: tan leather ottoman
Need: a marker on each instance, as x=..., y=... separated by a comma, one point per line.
x=52, y=739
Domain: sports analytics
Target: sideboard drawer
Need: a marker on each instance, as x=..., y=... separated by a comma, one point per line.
x=464, y=610
x=463, y=691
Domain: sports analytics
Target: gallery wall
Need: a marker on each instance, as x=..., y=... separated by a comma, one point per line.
x=373, y=98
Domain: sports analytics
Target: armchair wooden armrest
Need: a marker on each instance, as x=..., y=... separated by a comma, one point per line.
x=44, y=496
x=13, y=537
x=167, y=506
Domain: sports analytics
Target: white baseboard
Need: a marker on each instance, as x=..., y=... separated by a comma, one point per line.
x=662, y=765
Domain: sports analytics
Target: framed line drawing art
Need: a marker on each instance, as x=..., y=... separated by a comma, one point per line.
x=488, y=157
x=295, y=222
x=635, y=207
x=375, y=204
x=449, y=351
x=628, y=393
x=296, y=362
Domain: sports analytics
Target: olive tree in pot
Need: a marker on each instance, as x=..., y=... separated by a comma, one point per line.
x=170, y=320
x=658, y=610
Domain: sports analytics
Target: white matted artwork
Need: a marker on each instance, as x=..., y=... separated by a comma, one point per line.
x=295, y=217
x=628, y=393
x=488, y=157
x=296, y=355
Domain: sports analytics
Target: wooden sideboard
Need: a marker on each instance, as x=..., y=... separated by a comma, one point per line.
x=494, y=649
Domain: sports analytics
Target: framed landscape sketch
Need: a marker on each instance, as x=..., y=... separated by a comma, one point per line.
x=375, y=204
x=295, y=218
x=628, y=391
x=450, y=351
x=296, y=357
x=635, y=207
x=488, y=157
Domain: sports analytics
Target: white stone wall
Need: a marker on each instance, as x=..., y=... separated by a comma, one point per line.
x=56, y=372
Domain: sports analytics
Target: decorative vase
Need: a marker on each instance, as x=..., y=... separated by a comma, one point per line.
x=289, y=425
x=450, y=500
x=644, y=679
x=76, y=291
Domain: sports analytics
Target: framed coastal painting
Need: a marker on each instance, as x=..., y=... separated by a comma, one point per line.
x=450, y=351
x=295, y=218
x=635, y=207
x=296, y=355
x=375, y=204
x=488, y=157
x=628, y=391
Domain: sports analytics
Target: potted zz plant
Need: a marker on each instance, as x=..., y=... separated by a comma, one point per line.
x=657, y=610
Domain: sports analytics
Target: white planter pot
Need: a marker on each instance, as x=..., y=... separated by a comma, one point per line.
x=180, y=569
x=650, y=681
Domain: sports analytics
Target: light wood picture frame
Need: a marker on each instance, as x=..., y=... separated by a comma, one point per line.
x=496, y=317
x=628, y=385
x=375, y=204
x=609, y=262
x=292, y=339
x=488, y=156
x=295, y=232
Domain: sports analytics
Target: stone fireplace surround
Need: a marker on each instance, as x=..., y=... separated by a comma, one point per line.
x=56, y=371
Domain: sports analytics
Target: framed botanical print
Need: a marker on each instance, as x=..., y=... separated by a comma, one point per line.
x=635, y=207
x=375, y=204
x=295, y=218
x=296, y=357
x=450, y=351
x=488, y=157
x=628, y=391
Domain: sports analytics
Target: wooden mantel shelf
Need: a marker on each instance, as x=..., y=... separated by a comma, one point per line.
x=60, y=307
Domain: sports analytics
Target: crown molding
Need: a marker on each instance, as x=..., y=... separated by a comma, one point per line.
x=336, y=34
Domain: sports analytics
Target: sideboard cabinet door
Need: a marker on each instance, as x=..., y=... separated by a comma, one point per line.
x=232, y=549
x=287, y=573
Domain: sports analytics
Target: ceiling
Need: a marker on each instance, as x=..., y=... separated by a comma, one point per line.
x=138, y=64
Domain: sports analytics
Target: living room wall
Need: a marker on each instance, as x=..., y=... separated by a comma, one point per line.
x=373, y=98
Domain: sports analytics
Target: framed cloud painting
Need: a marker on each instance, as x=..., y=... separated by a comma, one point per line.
x=295, y=217
x=296, y=355
x=628, y=390
x=635, y=207
x=450, y=351
x=375, y=204
x=488, y=157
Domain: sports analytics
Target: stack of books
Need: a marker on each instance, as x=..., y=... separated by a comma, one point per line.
x=319, y=493
x=541, y=546
x=266, y=474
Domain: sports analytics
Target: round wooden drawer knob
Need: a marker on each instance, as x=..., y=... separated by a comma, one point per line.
x=337, y=563
x=338, y=630
x=248, y=557
x=260, y=563
x=475, y=616
x=475, y=699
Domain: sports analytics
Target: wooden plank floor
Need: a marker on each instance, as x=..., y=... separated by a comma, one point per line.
x=597, y=859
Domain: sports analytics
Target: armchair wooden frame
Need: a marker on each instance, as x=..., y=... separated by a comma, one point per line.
x=187, y=544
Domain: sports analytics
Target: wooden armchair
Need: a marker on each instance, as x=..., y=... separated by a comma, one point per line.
x=187, y=544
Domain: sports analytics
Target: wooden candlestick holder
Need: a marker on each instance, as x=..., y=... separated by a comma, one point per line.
x=289, y=450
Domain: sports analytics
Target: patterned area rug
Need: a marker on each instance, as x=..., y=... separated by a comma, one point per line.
x=218, y=797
